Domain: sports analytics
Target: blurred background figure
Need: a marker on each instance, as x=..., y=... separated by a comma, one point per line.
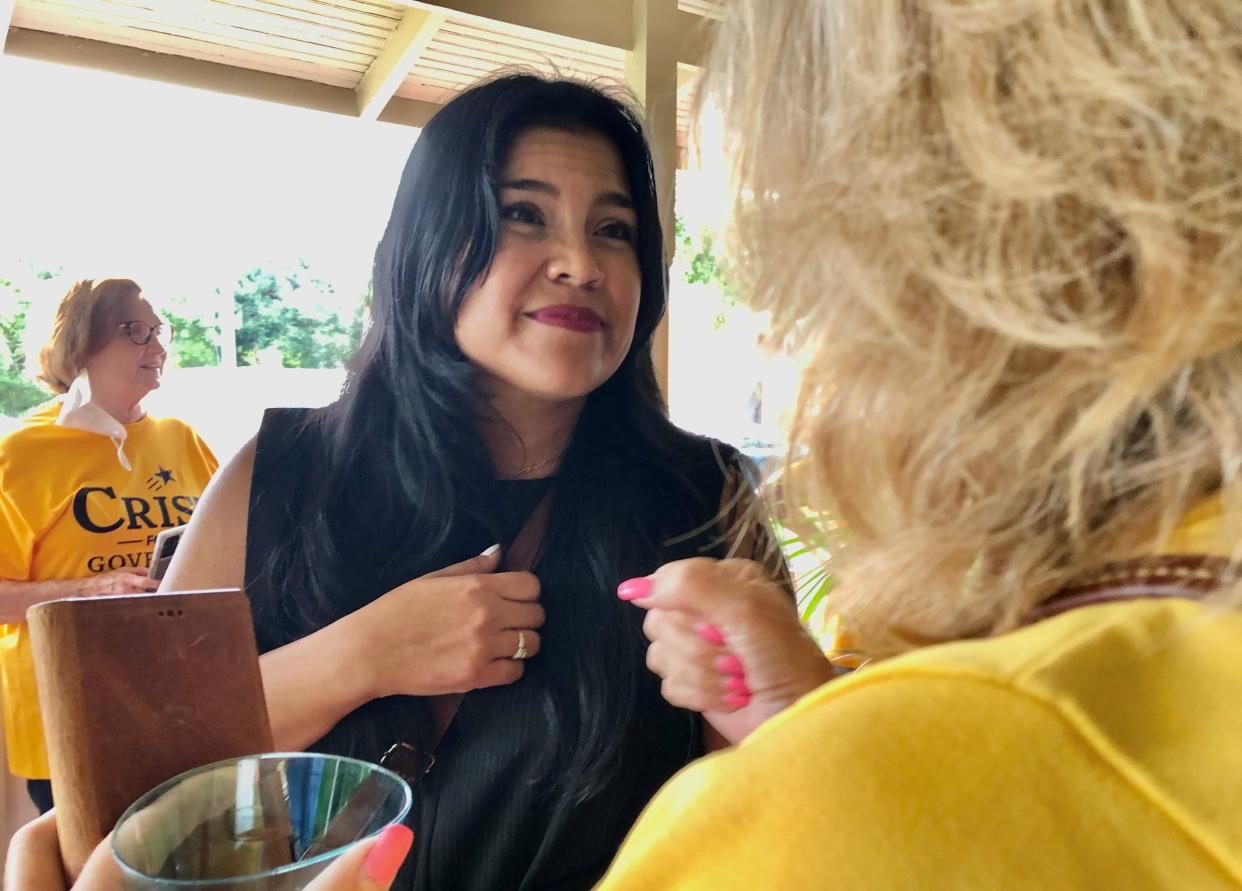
x=85, y=486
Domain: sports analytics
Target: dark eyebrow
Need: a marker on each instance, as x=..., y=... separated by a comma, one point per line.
x=615, y=199
x=531, y=185
x=609, y=199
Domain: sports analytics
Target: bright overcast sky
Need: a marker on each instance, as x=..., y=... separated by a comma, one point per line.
x=184, y=190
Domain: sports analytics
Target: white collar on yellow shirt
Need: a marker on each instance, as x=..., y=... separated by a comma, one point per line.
x=78, y=411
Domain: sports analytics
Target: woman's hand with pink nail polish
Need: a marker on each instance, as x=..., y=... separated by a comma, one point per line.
x=34, y=862
x=634, y=589
x=737, y=684
x=727, y=641
x=369, y=865
x=710, y=633
x=685, y=659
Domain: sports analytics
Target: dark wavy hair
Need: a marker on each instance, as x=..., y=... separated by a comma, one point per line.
x=406, y=461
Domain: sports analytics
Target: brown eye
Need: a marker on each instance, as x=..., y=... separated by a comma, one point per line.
x=522, y=212
x=617, y=229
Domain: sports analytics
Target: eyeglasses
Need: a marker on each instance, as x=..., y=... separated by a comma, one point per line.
x=140, y=333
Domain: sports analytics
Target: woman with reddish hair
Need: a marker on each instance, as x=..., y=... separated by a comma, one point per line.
x=85, y=485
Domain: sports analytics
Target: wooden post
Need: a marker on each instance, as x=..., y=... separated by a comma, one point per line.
x=6, y=16
x=651, y=71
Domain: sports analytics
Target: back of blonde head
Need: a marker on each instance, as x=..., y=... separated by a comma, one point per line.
x=1008, y=236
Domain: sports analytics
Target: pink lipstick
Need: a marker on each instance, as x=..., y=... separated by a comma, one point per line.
x=566, y=315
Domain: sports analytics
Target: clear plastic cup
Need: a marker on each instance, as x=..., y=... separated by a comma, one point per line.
x=258, y=823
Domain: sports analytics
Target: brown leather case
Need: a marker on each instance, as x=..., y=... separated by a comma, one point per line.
x=136, y=689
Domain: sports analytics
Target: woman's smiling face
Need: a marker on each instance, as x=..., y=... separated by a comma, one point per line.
x=125, y=370
x=554, y=316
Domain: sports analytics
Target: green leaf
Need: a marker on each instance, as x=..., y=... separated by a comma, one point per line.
x=812, y=602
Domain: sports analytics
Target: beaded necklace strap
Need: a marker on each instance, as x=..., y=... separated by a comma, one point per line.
x=1190, y=576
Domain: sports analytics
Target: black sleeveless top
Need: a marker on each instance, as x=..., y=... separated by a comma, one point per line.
x=482, y=818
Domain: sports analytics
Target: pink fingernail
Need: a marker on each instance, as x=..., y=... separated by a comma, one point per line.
x=730, y=664
x=710, y=633
x=634, y=589
x=741, y=700
x=736, y=684
x=387, y=854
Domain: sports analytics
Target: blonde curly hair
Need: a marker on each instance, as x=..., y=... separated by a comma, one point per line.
x=1007, y=237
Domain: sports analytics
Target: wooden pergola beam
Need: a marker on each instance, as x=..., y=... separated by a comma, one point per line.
x=611, y=24
x=598, y=21
x=401, y=52
x=199, y=74
x=692, y=37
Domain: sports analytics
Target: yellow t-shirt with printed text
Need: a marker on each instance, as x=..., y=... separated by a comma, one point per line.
x=69, y=510
x=1101, y=748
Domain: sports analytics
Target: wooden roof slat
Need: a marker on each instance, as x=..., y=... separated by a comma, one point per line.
x=439, y=80
x=475, y=45
x=197, y=49
x=359, y=10
x=343, y=32
x=449, y=75
x=449, y=41
x=44, y=16
x=426, y=92
x=248, y=22
x=466, y=50
x=452, y=68
x=143, y=18
x=276, y=21
x=372, y=23
x=462, y=72
x=712, y=9
x=328, y=14
x=502, y=33
x=484, y=64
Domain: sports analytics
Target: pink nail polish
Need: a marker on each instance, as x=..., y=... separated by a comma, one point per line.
x=387, y=854
x=634, y=589
x=730, y=664
x=737, y=684
x=741, y=700
x=710, y=633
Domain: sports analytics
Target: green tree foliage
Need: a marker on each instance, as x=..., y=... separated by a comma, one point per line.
x=289, y=309
x=696, y=257
x=14, y=308
x=297, y=313
x=18, y=392
x=197, y=340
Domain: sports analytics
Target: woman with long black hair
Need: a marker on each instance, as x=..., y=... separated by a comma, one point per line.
x=507, y=373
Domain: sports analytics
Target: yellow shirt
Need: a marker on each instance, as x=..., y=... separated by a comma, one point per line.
x=1101, y=748
x=69, y=510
